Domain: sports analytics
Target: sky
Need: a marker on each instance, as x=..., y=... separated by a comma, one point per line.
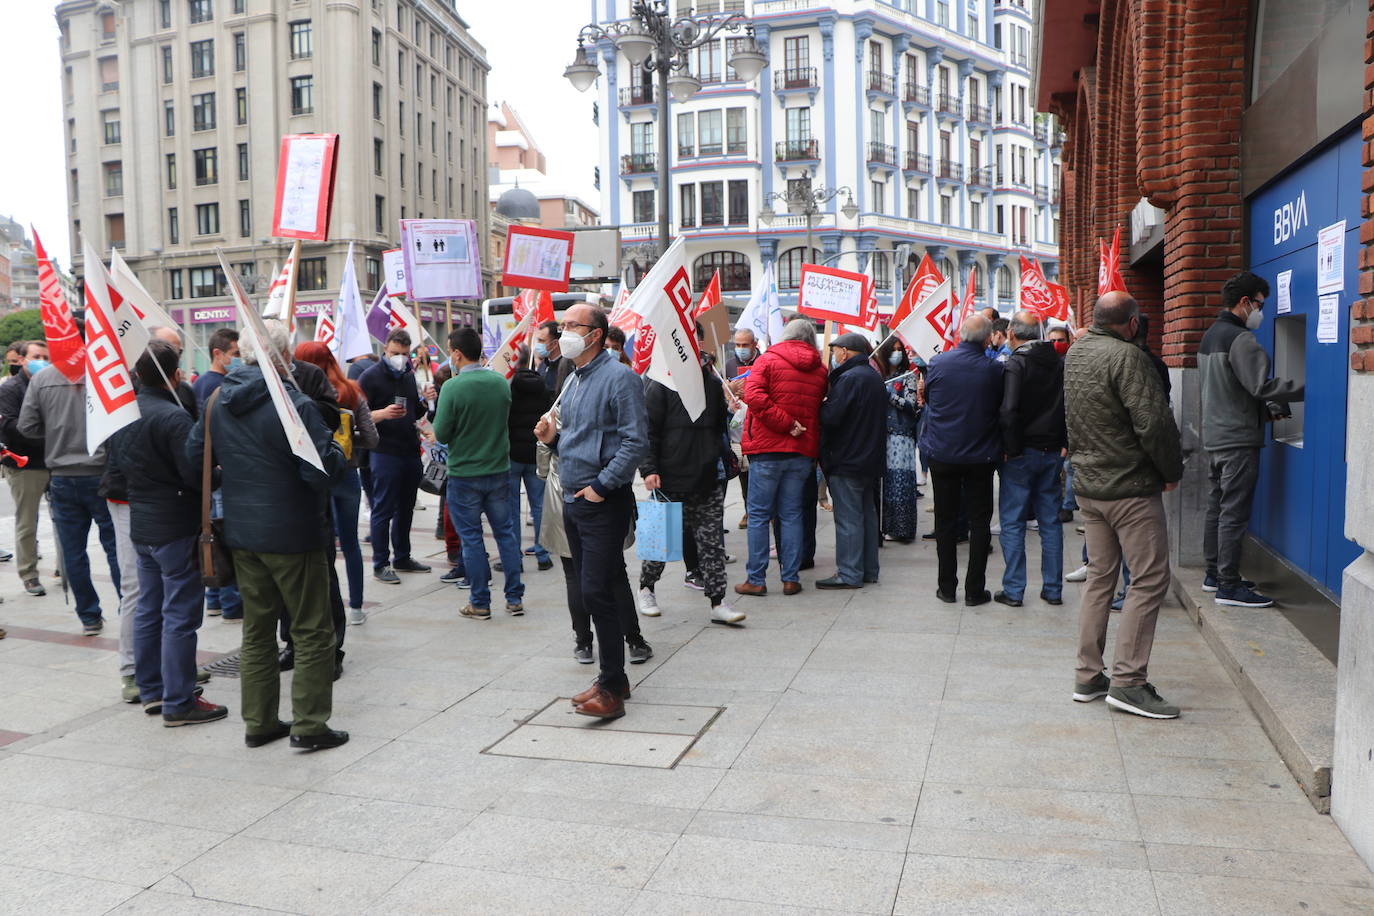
x=527, y=72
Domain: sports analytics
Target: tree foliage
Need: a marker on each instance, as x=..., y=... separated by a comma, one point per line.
x=25, y=324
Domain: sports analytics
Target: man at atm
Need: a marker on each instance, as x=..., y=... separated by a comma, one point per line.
x=1238, y=397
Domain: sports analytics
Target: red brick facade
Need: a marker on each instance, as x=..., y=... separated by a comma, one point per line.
x=1361, y=333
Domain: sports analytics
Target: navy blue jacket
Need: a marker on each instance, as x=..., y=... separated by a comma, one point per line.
x=381, y=386
x=163, y=487
x=854, y=421
x=963, y=397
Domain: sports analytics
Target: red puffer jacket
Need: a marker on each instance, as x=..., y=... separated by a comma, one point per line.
x=785, y=384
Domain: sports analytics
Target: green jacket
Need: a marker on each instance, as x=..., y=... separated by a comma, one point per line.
x=471, y=420
x=1122, y=437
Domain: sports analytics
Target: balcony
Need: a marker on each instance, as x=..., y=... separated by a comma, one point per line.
x=796, y=150
x=954, y=171
x=980, y=177
x=916, y=94
x=638, y=164
x=918, y=162
x=947, y=103
x=882, y=154
x=794, y=79
x=637, y=95
x=979, y=114
x=881, y=83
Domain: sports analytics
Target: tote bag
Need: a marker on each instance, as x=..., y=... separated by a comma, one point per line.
x=658, y=532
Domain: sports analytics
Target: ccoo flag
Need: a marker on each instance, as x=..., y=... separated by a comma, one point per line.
x=111, y=403
x=59, y=327
x=663, y=299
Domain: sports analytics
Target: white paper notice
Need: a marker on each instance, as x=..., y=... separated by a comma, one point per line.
x=1331, y=259
x=537, y=256
x=441, y=259
x=394, y=262
x=1328, y=319
x=437, y=244
x=838, y=297
x=300, y=205
x=1285, y=285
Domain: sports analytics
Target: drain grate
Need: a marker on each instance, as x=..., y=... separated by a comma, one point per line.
x=225, y=667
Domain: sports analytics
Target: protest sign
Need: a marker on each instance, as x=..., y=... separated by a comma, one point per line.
x=441, y=259
x=305, y=186
x=537, y=258
x=831, y=294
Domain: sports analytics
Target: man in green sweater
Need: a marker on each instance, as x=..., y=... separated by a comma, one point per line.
x=471, y=420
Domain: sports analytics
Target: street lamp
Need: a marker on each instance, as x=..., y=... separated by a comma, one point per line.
x=658, y=41
x=804, y=200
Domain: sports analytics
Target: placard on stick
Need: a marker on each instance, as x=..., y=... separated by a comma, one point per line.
x=831, y=294
x=537, y=258
x=441, y=259
x=305, y=186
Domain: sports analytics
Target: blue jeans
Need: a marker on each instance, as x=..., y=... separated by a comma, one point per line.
x=469, y=498
x=856, y=528
x=534, y=491
x=226, y=597
x=776, y=491
x=346, y=495
x=165, y=624
x=395, y=481
x=1070, y=504
x=76, y=503
x=1030, y=484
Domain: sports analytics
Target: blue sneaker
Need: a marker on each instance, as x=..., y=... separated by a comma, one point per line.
x=1243, y=597
x=1209, y=582
x=1119, y=600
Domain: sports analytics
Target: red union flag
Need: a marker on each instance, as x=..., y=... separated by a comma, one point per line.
x=1036, y=297
x=1061, y=311
x=710, y=297
x=1109, y=266
x=65, y=346
x=111, y=403
x=926, y=278
x=663, y=300
x=970, y=301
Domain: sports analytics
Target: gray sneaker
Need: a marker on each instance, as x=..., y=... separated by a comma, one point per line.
x=1097, y=687
x=386, y=574
x=1141, y=701
x=639, y=652
x=583, y=655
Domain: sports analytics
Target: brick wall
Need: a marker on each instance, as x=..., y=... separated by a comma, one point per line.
x=1362, y=312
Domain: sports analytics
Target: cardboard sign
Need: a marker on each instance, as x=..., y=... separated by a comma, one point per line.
x=441, y=259
x=394, y=268
x=305, y=186
x=831, y=294
x=537, y=258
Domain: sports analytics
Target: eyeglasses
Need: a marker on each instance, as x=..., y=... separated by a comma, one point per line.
x=569, y=325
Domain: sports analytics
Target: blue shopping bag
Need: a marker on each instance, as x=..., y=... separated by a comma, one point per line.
x=658, y=533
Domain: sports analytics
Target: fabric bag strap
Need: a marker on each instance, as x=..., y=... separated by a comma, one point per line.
x=205, y=465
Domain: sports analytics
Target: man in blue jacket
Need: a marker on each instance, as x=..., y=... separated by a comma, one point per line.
x=853, y=456
x=963, y=391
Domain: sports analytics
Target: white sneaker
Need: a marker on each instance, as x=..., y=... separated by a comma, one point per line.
x=356, y=616
x=995, y=530
x=724, y=613
x=648, y=602
x=1078, y=575
x=1033, y=525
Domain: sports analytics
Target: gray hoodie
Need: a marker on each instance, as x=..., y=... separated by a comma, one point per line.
x=55, y=411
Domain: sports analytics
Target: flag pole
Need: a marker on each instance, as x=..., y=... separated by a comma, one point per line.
x=291, y=293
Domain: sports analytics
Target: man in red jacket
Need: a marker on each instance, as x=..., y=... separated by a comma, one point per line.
x=781, y=439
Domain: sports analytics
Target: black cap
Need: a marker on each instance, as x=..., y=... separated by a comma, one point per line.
x=851, y=341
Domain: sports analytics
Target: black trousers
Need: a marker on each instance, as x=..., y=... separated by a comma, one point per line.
x=962, y=489
x=582, y=621
x=596, y=536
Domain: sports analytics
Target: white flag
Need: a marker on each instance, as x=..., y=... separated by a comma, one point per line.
x=923, y=329
x=350, y=326
x=111, y=403
x=663, y=300
x=763, y=314
x=255, y=332
x=129, y=330
x=283, y=292
x=150, y=312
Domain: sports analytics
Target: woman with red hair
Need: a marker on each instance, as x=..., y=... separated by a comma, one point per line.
x=357, y=433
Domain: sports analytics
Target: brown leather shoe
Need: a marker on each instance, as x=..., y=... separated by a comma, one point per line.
x=744, y=521
x=747, y=588
x=602, y=705
x=590, y=692
x=791, y=588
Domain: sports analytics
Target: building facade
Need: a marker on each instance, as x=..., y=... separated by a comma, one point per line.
x=920, y=112
x=174, y=112
x=22, y=265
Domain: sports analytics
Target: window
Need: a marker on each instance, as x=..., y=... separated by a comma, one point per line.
x=114, y=179
x=736, y=130
x=875, y=57
x=732, y=47
x=171, y=171
x=238, y=7
x=448, y=138
x=738, y=203
x=377, y=157
x=975, y=215
x=372, y=273
x=913, y=138
x=687, y=205
x=913, y=203
x=877, y=191
x=376, y=48
x=109, y=74
x=173, y=229
x=402, y=172
x=376, y=101
x=942, y=13
x=712, y=203
x=167, y=72
x=708, y=123
x=312, y=274
x=643, y=206
x=798, y=124
x=207, y=219
x=203, y=111
x=169, y=118
x=207, y=166
x=71, y=132
x=114, y=230
x=975, y=155
x=111, y=124
x=174, y=287
x=302, y=41
x=202, y=10
x=1001, y=220
x=164, y=14
x=245, y=219
x=401, y=68
x=379, y=214
x=708, y=62
x=206, y=282
x=733, y=267
x=240, y=52
x=789, y=266
x=946, y=209
x=302, y=95
x=796, y=55
x=876, y=131
x=641, y=138
x=686, y=134
x=401, y=118
x=241, y=106
x=419, y=177
x=243, y=161
x=203, y=58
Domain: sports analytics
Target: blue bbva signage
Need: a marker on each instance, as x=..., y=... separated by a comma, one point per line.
x=1287, y=215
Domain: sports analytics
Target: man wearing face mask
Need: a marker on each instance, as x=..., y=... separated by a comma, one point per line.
x=746, y=350
x=1238, y=396
x=395, y=460
x=224, y=355
x=27, y=483
x=549, y=357
x=600, y=445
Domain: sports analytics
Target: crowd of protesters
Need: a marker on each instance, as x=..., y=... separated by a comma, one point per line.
x=1017, y=417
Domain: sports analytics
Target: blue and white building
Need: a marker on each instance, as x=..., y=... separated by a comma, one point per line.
x=922, y=109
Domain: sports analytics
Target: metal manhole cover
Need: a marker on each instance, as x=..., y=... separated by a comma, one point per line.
x=225, y=667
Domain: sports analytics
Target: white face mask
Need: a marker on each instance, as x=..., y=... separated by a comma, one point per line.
x=571, y=344
x=1255, y=318
x=397, y=361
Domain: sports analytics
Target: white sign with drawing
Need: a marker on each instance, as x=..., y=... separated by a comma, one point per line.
x=1331, y=259
x=1328, y=320
x=304, y=182
x=537, y=256
x=1285, y=292
x=441, y=259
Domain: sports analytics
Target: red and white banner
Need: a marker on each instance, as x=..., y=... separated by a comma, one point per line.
x=924, y=329
x=281, y=294
x=831, y=294
x=305, y=186
x=710, y=296
x=970, y=303
x=663, y=300
x=926, y=278
x=324, y=330
x=1109, y=266
x=111, y=403
x=1062, y=310
x=1036, y=297
x=505, y=359
x=65, y=346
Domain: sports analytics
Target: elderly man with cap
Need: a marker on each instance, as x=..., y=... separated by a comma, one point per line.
x=853, y=456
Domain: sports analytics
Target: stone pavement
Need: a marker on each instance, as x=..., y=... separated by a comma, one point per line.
x=872, y=751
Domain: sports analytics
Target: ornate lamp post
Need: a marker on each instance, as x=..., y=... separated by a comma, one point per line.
x=654, y=39
x=803, y=200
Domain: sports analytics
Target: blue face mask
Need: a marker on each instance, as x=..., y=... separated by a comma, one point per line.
x=743, y=353
x=541, y=350
x=36, y=366
x=235, y=362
